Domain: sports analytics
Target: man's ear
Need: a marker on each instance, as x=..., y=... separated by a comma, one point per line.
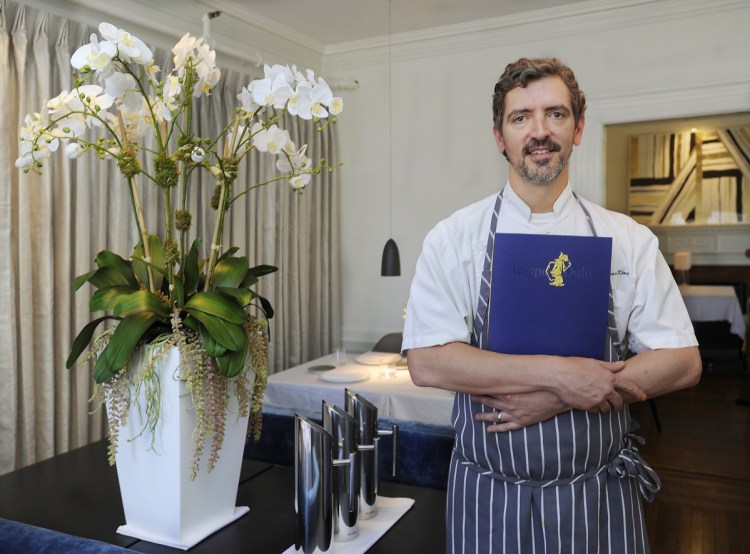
x=578, y=135
x=499, y=140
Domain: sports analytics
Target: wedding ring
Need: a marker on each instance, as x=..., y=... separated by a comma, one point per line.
x=499, y=417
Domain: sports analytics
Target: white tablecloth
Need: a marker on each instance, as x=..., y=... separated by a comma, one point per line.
x=714, y=303
x=299, y=388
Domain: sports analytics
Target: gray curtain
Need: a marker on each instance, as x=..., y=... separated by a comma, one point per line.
x=53, y=225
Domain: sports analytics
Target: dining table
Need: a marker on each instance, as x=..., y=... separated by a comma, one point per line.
x=382, y=378
x=714, y=303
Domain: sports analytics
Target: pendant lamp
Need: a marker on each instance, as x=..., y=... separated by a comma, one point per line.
x=390, y=265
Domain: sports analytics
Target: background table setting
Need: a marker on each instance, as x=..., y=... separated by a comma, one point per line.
x=380, y=376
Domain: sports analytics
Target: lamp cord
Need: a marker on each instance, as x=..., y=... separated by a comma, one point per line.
x=390, y=122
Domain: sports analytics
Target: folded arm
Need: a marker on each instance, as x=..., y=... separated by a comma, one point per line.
x=581, y=383
x=530, y=389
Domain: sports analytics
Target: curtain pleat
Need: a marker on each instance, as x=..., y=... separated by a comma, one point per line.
x=52, y=227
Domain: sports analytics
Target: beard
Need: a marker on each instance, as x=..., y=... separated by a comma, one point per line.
x=543, y=171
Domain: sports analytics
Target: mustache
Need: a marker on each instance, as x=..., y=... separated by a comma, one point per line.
x=546, y=144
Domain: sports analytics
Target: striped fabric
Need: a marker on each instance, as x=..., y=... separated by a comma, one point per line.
x=571, y=484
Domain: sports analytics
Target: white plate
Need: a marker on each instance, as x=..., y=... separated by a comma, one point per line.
x=377, y=358
x=341, y=375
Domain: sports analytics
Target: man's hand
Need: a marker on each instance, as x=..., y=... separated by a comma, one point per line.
x=581, y=383
x=593, y=385
x=519, y=410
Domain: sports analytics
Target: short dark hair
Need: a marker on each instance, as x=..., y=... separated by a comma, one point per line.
x=519, y=73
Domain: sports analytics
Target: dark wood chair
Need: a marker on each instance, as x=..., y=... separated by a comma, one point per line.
x=389, y=343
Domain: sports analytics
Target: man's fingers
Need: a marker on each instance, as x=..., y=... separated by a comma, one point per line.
x=615, y=367
x=616, y=401
x=629, y=389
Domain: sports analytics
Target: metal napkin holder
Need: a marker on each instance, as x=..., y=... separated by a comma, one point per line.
x=336, y=472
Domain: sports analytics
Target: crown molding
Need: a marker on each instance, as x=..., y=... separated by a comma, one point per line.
x=731, y=96
x=550, y=23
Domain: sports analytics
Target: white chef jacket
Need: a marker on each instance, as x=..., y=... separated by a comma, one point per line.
x=649, y=310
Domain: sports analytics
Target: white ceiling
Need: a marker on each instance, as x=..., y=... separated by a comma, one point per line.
x=338, y=21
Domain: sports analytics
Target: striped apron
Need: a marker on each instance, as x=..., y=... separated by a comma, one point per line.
x=571, y=484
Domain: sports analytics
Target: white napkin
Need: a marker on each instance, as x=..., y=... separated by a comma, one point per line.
x=390, y=511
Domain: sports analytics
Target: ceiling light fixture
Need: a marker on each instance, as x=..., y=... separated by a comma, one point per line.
x=390, y=265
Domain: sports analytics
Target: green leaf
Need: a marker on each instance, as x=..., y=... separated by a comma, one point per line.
x=191, y=270
x=107, y=258
x=211, y=347
x=157, y=261
x=229, y=335
x=261, y=270
x=107, y=298
x=83, y=339
x=242, y=296
x=232, y=363
x=120, y=347
x=266, y=305
x=81, y=280
x=255, y=273
x=230, y=272
x=179, y=291
x=108, y=277
x=215, y=304
x=141, y=301
x=230, y=252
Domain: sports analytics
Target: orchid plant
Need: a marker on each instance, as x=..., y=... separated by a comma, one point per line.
x=122, y=108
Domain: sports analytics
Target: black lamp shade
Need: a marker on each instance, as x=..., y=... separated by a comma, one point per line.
x=391, y=264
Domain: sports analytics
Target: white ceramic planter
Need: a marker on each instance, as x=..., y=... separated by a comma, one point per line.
x=161, y=503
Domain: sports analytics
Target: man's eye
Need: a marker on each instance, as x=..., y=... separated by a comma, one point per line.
x=519, y=119
x=558, y=115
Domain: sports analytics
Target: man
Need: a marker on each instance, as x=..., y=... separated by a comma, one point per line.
x=544, y=459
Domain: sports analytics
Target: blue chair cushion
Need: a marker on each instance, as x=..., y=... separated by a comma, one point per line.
x=21, y=538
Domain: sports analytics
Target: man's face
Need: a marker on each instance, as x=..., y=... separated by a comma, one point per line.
x=539, y=131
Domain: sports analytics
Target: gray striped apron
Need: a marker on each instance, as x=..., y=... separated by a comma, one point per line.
x=571, y=484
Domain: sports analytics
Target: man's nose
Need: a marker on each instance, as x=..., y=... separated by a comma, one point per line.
x=539, y=129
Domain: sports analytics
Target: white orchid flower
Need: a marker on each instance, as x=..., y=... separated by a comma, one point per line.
x=131, y=48
x=292, y=160
x=300, y=103
x=72, y=126
x=336, y=106
x=321, y=96
x=96, y=55
x=89, y=98
x=59, y=104
x=207, y=82
x=274, y=72
x=246, y=101
x=299, y=182
x=118, y=85
x=73, y=150
x=25, y=162
x=171, y=91
x=274, y=93
x=184, y=49
x=271, y=140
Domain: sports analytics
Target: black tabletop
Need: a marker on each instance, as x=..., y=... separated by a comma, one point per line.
x=78, y=493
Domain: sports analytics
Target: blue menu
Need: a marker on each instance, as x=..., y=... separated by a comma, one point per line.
x=550, y=295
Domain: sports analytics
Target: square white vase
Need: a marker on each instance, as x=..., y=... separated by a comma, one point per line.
x=161, y=503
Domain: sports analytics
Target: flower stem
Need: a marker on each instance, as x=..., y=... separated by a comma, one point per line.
x=141, y=222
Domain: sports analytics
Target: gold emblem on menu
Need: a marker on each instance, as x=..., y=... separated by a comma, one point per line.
x=556, y=268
